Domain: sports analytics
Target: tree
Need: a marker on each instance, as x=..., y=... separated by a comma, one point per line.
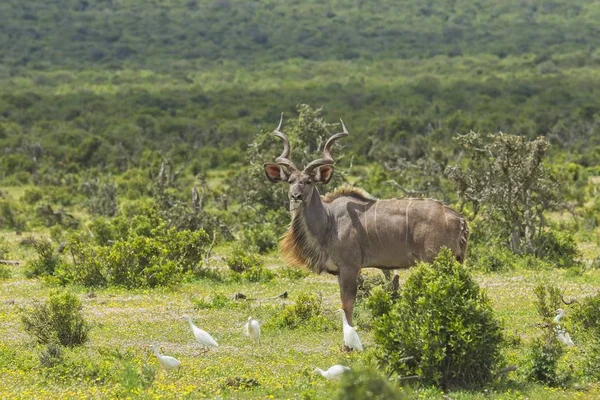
x=504, y=177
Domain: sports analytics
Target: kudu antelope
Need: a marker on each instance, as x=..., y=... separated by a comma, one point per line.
x=347, y=230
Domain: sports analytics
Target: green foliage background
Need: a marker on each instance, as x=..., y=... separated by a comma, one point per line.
x=110, y=84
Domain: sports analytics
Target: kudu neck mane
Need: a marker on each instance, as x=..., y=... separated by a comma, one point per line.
x=303, y=243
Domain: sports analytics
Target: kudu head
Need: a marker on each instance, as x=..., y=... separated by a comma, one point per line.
x=302, y=182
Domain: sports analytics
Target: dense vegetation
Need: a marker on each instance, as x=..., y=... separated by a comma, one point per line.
x=132, y=139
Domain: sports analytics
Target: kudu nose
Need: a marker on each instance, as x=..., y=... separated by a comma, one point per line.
x=296, y=197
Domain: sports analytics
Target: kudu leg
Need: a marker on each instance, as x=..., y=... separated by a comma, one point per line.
x=348, y=285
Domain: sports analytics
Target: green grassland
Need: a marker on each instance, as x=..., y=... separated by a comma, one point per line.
x=124, y=322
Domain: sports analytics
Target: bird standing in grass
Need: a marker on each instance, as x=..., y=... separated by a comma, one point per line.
x=167, y=362
x=561, y=333
x=563, y=336
x=351, y=339
x=333, y=372
x=203, y=337
x=252, y=330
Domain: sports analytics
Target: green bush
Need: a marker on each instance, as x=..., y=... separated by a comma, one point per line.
x=132, y=380
x=586, y=317
x=558, y=247
x=491, y=258
x=545, y=353
x=379, y=302
x=218, y=301
x=47, y=261
x=258, y=274
x=548, y=300
x=4, y=269
x=242, y=259
x=263, y=237
x=367, y=384
x=102, y=196
x=3, y=248
x=51, y=356
x=164, y=257
x=308, y=311
x=445, y=323
x=11, y=215
x=32, y=196
x=58, y=320
x=102, y=230
x=5, y=272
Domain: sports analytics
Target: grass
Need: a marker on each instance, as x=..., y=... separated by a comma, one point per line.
x=124, y=322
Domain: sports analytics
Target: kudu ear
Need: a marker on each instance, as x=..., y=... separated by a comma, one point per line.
x=323, y=174
x=276, y=173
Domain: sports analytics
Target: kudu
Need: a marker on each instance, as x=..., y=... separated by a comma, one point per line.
x=347, y=230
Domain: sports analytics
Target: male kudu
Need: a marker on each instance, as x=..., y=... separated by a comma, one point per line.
x=347, y=230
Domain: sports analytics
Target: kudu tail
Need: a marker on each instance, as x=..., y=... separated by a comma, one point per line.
x=459, y=229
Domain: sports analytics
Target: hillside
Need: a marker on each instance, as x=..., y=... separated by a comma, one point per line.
x=166, y=34
x=95, y=82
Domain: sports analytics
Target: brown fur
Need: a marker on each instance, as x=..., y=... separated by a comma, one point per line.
x=296, y=252
x=288, y=246
x=349, y=191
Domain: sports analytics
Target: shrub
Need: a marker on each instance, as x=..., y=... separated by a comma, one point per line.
x=5, y=272
x=545, y=353
x=545, y=350
x=307, y=310
x=445, y=323
x=3, y=248
x=548, y=299
x=367, y=384
x=59, y=320
x=4, y=269
x=102, y=230
x=51, y=356
x=491, y=258
x=102, y=197
x=258, y=274
x=586, y=316
x=47, y=261
x=242, y=259
x=379, y=302
x=32, y=196
x=263, y=237
x=486, y=180
x=132, y=381
x=218, y=301
x=11, y=215
x=557, y=246
x=164, y=257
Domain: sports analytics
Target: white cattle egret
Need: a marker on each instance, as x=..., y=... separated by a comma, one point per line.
x=351, y=338
x=169, y=363
x=333, y=372
x=563, y=336
x=203, y=337
x=560, y=313
x=252, y=330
